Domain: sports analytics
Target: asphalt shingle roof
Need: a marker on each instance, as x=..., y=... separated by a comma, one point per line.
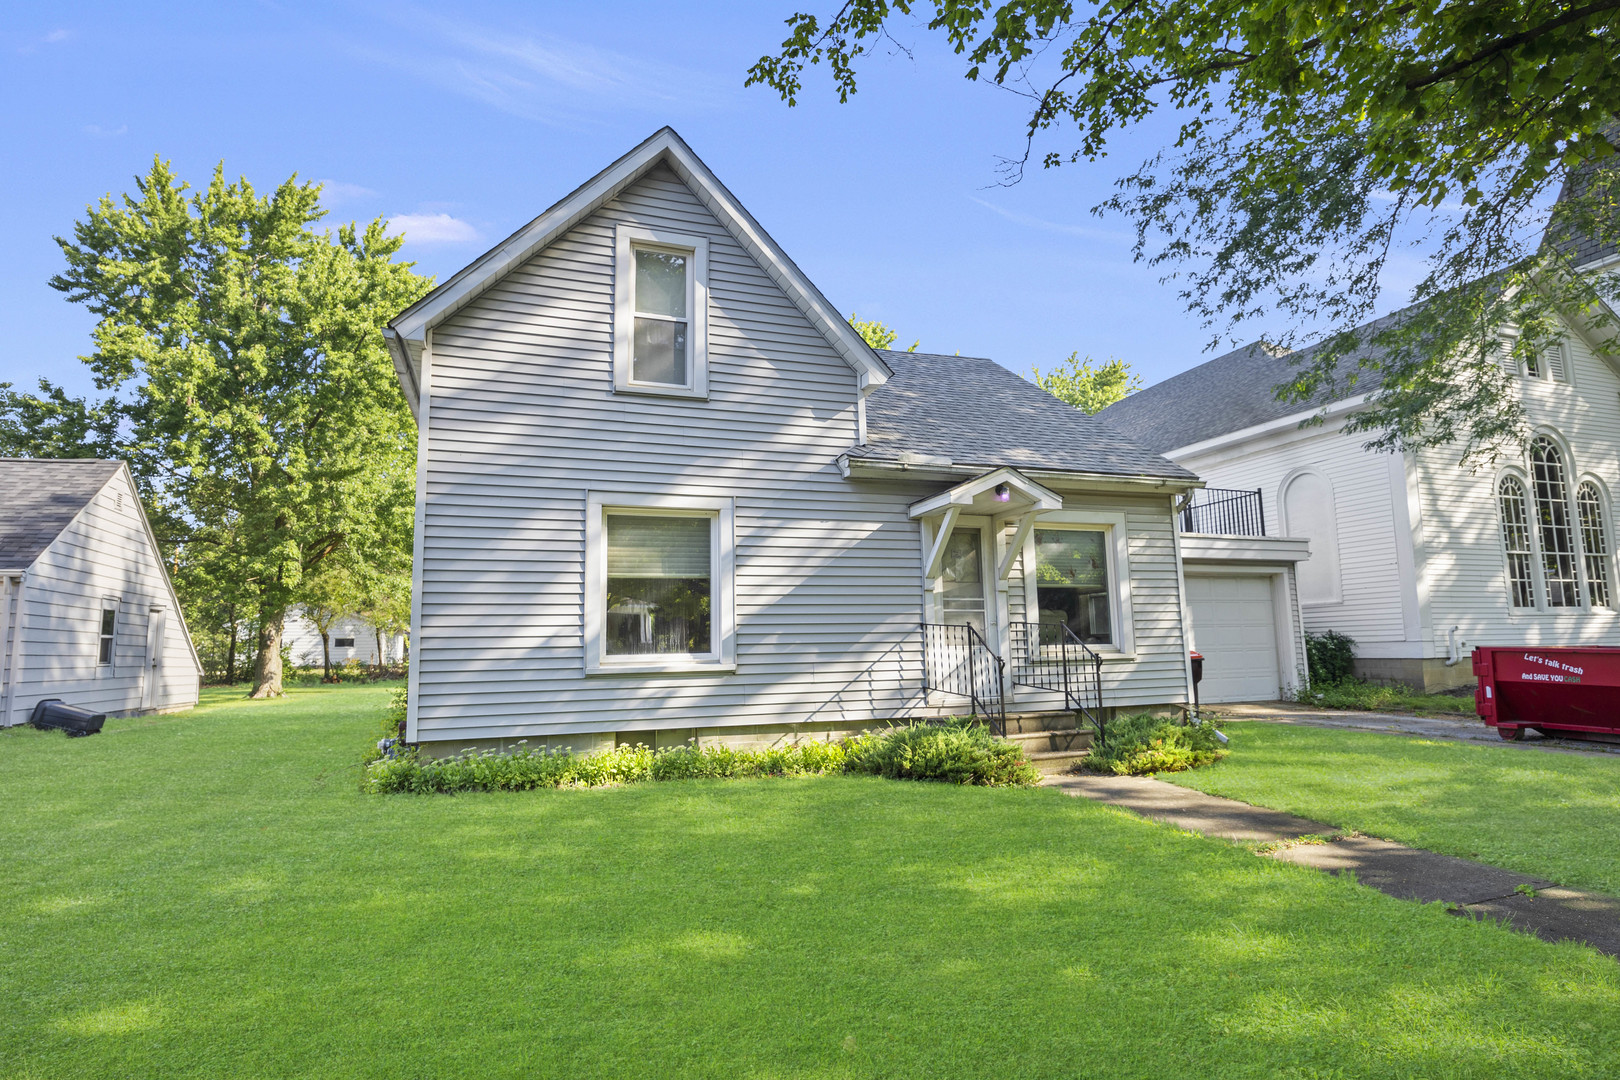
x=38, y=498
x=976, y=412
x=1230, y=393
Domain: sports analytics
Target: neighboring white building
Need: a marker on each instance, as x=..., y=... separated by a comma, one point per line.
x=87, y=612
x=1415, y=557
x=353, y=638
x=664, y=490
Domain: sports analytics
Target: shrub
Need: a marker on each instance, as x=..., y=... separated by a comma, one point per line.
x=1141, y=744
x=1330, y=656
x=960, y=752
x=1356, y=694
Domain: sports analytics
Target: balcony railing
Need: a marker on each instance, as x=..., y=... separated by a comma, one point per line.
x=1225, y=512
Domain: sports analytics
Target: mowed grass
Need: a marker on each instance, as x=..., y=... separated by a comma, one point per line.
x=209, y=895
x=1551, y=814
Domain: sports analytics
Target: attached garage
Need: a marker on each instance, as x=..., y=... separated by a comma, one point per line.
x=1242, y=602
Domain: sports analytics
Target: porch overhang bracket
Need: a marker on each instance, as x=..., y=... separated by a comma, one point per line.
x=1026, y=522
x=942, y=533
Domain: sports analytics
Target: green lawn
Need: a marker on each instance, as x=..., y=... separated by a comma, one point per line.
x=1550, y=814
x=209, y=895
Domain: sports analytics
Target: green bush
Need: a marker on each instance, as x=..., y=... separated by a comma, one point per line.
x=959, y=752
x=1142, y=744
x=1330, y=656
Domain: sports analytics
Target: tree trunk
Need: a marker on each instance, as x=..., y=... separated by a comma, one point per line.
x=230, y=657
x=267, y=667
x=326, y=656
x=378, y=631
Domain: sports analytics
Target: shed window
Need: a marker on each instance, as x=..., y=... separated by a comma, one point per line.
x=1594, y=543
x=1072, y=586
x=659, y=571
x=109, y=628
x=343, y=643
x=1553, y=527
x=1516, y=540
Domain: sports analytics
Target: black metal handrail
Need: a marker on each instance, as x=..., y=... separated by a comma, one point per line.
x=1225, y=512
x=1049, y=656
x=958, y=661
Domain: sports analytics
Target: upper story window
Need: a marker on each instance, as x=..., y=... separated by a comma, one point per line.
x=1555, y=540
x=1548, y=363
x=660, y=324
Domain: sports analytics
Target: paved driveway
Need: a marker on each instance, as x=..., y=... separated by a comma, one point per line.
x=1465, y=728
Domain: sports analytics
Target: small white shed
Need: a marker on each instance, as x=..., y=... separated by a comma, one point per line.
x=87, y=611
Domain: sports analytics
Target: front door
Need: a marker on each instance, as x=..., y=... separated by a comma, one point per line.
x=963, y=594
x=156, y=625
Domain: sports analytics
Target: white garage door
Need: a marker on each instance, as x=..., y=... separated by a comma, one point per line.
x=1234, y=627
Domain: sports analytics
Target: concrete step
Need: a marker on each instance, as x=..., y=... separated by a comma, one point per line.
x=1053, y=762
x=1052, y=720
x=1065, y=740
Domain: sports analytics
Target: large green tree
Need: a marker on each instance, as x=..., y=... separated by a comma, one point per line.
x=1089, y=385
x=1310, y=138
x=246, y=383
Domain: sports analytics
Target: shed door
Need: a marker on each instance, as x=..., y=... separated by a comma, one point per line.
x=1234, y=627
x=156, y=626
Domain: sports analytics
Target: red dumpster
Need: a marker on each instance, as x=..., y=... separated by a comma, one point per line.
x=1573, y=691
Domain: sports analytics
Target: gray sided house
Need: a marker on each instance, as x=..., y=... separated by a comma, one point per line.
x=87, y=612
x=665, y=491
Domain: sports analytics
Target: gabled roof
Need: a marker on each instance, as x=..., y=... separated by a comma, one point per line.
x=406, y=332
x=1231, y=393
x=39, y=497
x=967, y=411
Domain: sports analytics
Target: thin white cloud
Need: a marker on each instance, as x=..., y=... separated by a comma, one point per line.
x=340, y=191
x=1033, y=222
x=532, y=74
x=433, y=229
x=56, y=36
x=98, y=132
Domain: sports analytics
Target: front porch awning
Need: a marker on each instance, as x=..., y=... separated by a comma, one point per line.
x=1003, y=494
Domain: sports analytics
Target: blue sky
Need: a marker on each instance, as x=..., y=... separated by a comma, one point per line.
x=462, y=124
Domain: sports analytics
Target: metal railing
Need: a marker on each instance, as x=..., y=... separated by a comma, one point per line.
x=1048, y=656
x=1224, y=512
x=958, y=661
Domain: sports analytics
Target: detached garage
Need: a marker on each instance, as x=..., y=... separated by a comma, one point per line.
x=1243, y=605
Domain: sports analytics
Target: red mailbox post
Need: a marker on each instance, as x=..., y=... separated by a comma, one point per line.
x=1573, y=691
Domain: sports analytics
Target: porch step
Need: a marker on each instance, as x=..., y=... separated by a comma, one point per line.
x=1019, y=723
x=1064, y=740
x=1052, y=762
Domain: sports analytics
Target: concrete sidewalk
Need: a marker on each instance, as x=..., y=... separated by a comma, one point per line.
x=1526, y=903
x=1462, y=728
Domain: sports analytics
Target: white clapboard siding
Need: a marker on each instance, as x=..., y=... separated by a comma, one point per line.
x=1463, y=563
x=1372, y=590
x=105, y=554
x=522, y=423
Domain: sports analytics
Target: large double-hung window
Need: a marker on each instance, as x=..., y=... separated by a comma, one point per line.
x=660, y=324
x=658, y=584
x=1077, y=576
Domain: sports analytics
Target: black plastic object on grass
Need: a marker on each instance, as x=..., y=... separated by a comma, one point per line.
x=53, y=714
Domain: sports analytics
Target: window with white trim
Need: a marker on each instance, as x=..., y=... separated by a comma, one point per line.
x=1072, y=586
x=660, y=313
x=1515, y=517
x=1594, y=543
x=107, y=640
x=1553, y=528
x=659, y=580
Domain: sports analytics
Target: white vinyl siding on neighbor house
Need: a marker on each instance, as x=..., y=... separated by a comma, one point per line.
x=524, y=428
x=1364, y=584
x=1468, y=563
x=103, y=560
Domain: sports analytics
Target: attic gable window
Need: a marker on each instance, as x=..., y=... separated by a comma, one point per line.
x=660, y=314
